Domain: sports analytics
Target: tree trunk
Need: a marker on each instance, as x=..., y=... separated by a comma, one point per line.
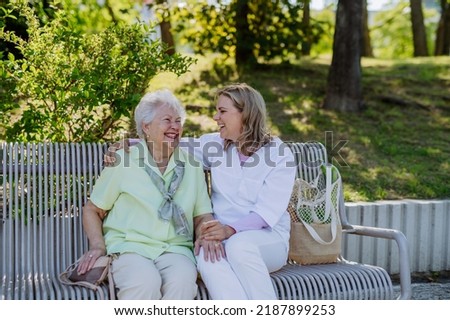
x=366, y=46
x=306, y=25
x=344, y=91
x=418, y=29
x=110, y=11
x=166, y=37
x=244, y=38
x=165, y=26
x=442, y=46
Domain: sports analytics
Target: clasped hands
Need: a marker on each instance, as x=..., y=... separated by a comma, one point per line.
x=211, y=235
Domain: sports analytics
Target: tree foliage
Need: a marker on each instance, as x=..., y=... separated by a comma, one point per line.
x=17, y=24
x=392, y=31
x=275, y=28
x=74, y=86
x=92, y=16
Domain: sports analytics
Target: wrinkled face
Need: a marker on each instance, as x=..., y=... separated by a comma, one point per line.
x=165, y=129
x=229, y=119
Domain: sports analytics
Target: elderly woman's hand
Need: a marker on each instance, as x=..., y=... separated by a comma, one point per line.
x=87, y=261
x=213, y=230
x=212, y=250
x=92, y=223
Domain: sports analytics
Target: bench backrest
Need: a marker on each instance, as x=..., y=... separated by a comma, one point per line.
x=43, y=189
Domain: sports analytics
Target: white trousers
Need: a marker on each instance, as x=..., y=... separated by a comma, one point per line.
x=171, y=276
x=244, y=273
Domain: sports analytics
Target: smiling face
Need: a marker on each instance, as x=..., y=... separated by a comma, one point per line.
x=165, y=129
x=229, y=119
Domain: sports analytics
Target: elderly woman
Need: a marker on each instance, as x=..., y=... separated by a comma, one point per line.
x=144, y=209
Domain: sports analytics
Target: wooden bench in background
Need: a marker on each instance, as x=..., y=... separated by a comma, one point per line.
x=44, y=187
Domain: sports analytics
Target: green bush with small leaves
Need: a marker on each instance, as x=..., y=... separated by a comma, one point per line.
x=74, y=86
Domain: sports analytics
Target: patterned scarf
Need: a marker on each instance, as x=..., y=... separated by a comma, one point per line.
x=169, y=210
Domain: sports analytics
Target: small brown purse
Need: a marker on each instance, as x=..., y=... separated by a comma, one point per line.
x=100, y=273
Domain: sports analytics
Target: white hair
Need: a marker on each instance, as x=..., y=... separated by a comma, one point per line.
x=145, y=110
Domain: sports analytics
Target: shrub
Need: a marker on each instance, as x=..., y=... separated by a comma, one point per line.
x=72, y=86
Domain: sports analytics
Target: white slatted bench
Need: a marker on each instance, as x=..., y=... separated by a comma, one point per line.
x=44, y=187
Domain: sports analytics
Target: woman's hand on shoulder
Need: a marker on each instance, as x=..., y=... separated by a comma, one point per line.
x=110, y=156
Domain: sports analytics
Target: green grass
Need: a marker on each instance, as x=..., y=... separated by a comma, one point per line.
x=397, y=147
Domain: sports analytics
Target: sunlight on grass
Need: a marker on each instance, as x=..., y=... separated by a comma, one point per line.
x=372, y=62
x=301, y=126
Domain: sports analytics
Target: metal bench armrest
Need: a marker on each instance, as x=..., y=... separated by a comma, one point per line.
x=402, y=243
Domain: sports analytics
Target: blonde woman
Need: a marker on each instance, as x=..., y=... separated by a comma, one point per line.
x=252, y=176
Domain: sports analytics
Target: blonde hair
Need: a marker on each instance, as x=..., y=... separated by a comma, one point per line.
x=251, y=104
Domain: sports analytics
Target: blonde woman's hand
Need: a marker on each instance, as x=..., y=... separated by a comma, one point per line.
x=213, y=230
x=110, y=156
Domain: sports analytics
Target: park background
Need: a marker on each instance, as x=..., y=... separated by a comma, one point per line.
x=376, y=95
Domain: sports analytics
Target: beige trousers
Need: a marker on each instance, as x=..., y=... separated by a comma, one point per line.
x=171, y=276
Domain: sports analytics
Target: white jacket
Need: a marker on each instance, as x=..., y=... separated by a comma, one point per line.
x=263, y=184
